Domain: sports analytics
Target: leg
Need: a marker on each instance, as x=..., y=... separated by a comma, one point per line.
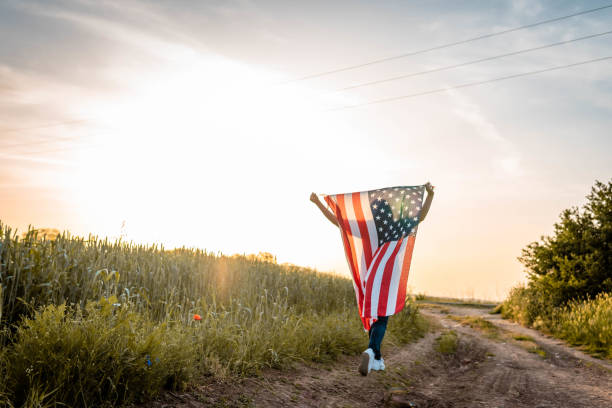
x=377, y=332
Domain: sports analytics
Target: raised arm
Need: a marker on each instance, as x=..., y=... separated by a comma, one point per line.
x=430, y=195
x=330, y=216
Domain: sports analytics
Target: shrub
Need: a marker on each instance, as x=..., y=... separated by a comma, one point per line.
x=408, y=325
x=103, y=353
x=566, y=271
x=528, y=307
x=446, y=343
x=575, y=262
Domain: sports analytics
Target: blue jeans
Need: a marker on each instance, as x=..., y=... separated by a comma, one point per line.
x=377, y=332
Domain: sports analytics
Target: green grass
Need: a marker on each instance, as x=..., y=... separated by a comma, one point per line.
x=480, y=303
x=537, y=350
x=584, y=323
x=446, y=343
x=90, y=322
x=522, y=337
x=489, y=329
x=588, y=324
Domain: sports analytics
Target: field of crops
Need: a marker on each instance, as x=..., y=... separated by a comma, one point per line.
x=89, y=322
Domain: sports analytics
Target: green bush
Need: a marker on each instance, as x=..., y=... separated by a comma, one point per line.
x=100, y=354
x=569, y=277
x=407, y=325
x=526, y=306
x=575, y=262
x=446, y=343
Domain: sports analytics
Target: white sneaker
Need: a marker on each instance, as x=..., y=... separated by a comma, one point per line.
x=378, y=365
x=367, y=359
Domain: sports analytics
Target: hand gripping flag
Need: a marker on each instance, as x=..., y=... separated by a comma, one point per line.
x=378, y=229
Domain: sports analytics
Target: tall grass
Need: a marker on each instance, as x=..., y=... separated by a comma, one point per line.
x=586, y=323
x=90, y=322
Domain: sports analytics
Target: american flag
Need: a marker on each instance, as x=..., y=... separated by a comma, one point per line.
x=378, y=229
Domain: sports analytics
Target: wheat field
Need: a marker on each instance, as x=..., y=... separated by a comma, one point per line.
x=91, y=321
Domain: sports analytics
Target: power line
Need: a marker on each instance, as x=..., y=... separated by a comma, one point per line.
x=463, y=64
x=469, y=84
x=452, y=44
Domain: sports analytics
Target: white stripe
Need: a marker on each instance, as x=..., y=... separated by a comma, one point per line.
x=380, y=271
x=376, y=256
x=352, y=219
x=369, y=218
x=367, y=275
x=395, y=278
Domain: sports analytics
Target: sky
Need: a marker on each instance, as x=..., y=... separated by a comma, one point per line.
x=181, y=123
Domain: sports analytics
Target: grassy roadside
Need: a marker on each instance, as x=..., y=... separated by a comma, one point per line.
x=496, y=333
x=586, y=324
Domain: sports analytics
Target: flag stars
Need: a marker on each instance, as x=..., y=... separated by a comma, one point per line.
x=395, y=211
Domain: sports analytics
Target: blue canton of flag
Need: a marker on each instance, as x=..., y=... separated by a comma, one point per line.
x=396, y=211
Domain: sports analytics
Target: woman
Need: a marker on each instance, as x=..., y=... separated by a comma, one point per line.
x=371, y=358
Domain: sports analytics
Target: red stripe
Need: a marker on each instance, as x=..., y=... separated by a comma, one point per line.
x=401, y=290
x=380, y=253
x=383, y=295
x=363, y=228
x=339, y=210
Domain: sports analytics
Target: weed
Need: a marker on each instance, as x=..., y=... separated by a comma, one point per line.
x=522, y=337
x=446, y=343
x=497, y=309
x=489, y=329
x=537, y=350
x=408, y=325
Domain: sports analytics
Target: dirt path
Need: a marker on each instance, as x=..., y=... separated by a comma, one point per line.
x=488, y=369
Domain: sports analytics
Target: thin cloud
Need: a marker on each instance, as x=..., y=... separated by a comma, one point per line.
x=486, y=130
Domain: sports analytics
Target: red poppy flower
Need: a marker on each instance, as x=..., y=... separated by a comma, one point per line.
x=197, y=317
